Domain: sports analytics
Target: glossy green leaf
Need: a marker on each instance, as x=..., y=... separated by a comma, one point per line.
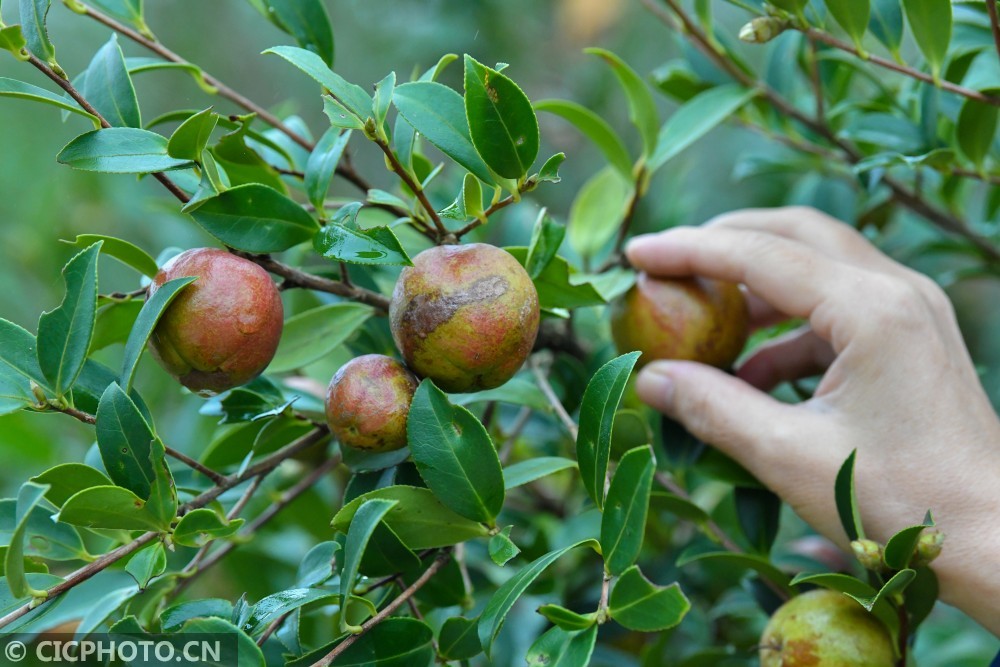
x=147, y=564
x=364, y=522
x=533, y=469
x=18, y=368
x=759, y=512
x=438, y=113
x=241, y=162
x=140, y=65
x=567, y=619
x=455, y=455
x=12, y=40
x=315, y=333
x=896, y=585
x=386, y=555
x=317, y=566
x=43, y=538
x=64, y=333
x=975, y=129
x=110, y=507
x=594, y=128
x=127, y=10
x=26, y=91
x=557, y=285
x=886, y=23
x=68, y=479
x=201, y=526
x=642, y=109
x=852, y=15
x=128, y=446
x=127, y=253
x=625, y=509
x=546, y=238
x=759, y=564
x=458, y=639
x=493, y=616
x=240, y=652
x=353, y=97
x=28, y=497
x=502, y=122
x=550, y=170
x=696, y=118
x=255, y=218
x=33, y=24
x=901, y=546
x=9, y=602
x=174, y=617
x=921, y=596
x=597, y=211
x=383, y=98
x=308, y=22
x=108, y=87
x=638, y=604
x=930, y=23
x=275, y=606
x=502, y=549
x=192, y=136
x=847, y=500
x=597, y=413
x=323, y=163
x=120, y=150
x=419, y=520
x=340, y=116
x=372, y=246
x=150, y=314
x=562, y=648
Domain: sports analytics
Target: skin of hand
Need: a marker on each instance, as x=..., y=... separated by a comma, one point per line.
x=898, y=385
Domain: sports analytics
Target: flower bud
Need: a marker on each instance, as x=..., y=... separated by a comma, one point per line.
x=928, y=546
x=763, y=29
x=869, y=554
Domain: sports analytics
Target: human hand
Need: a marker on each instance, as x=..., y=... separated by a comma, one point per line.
x=898, y=386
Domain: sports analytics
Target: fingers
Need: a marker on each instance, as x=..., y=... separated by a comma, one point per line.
x=798, y=354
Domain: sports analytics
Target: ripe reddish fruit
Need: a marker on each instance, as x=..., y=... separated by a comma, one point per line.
x=690, y=319
x=465, y=316
x=824, y=627
x=222, y=330
x=368, y=402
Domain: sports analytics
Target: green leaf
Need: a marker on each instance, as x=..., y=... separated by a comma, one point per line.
x=387, y=555
x=28, y=497
x=566, y=619
x=243, y=652
x=43, y=538
x=550, y=170
x=322, y=164
x=438, y=113
x=562, y=648
x=396, y=642
x=173, y=618
x=127, y=10
x=597, y=211
x=493, y=616
x=695, y=119
x=597, y=414
x=556, y=285
x=140, y=65
x=594, y=128
x=317, y=566
x=642, y=109
x=373, y=246
x=127, y=253
x=120, y=150
x=530, y=470
x=847, y=500
x=192, y=136
x=921, y=596
x=458, y=639
x=313, y=334
x=546, y=238
x=455, y=455
x=9, y=602
x=502, y=123
x=894, y=586
x=147, y=564
x=852, y=15
x=624, y=521
x=930, y=23
x=201, y=526
x=255, y=218
x=638, y=604
x=64, y=333
x=18, y=368
x=36, y=33
x=26, y=91
x=843, y=583
x=340, y=116
x=12, y=40
x=886, y=24
x=108, y=87
x=759, y=511
x=900, y=547
x=110, y=507
x=759, y=564
x=150, y=314
x=364, y=522
x=353, y=97
x=975, y=129
x=241, y=163
x=419, y=520
x=68, y=479
x=275, y=606
x=308, y=22
x=383, y=98
x=502, y=548
x=128, y=446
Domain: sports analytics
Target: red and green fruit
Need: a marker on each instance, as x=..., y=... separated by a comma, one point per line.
x=223, y=329
x=465, y=316
x=368, y=402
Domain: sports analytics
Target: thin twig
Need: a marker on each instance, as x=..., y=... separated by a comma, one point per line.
x=528, y=185
x=817, y=81
x=412, y=184
x=602, y=604
x=991, y=8
x=216, y=477
x=296, y=278
x=507, y=448
x=550, y=394
x=388, y=611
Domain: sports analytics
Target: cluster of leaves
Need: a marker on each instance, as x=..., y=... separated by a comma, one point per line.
x=432, y=547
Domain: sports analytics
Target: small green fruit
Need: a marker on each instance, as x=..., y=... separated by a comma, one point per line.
x=465, y=316
x=824, y=627
x=689, y=319
x=223, y=329
x=368, y=402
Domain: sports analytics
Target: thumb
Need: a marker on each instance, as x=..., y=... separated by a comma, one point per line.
x=722, y=410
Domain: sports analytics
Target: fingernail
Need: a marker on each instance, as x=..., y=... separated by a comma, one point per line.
x=655, y=386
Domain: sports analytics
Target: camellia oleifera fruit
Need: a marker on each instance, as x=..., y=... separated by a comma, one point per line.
x=222, y=330
x=465, y=316
x=368, y=402
x=824, y=627
x=689, y=319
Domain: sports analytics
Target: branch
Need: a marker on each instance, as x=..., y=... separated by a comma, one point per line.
x=412, y=184
x=546, y=387
x=528, y=185
x=389, y=610
x=991, y=9
x=296, y=278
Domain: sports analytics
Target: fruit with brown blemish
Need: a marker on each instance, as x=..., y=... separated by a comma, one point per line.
x=222, y=330
x=824, y=627
x=465, y=316
x=688, y=319
x=368, y=402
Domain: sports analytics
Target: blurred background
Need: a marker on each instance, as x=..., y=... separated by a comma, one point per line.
x=42, y=202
